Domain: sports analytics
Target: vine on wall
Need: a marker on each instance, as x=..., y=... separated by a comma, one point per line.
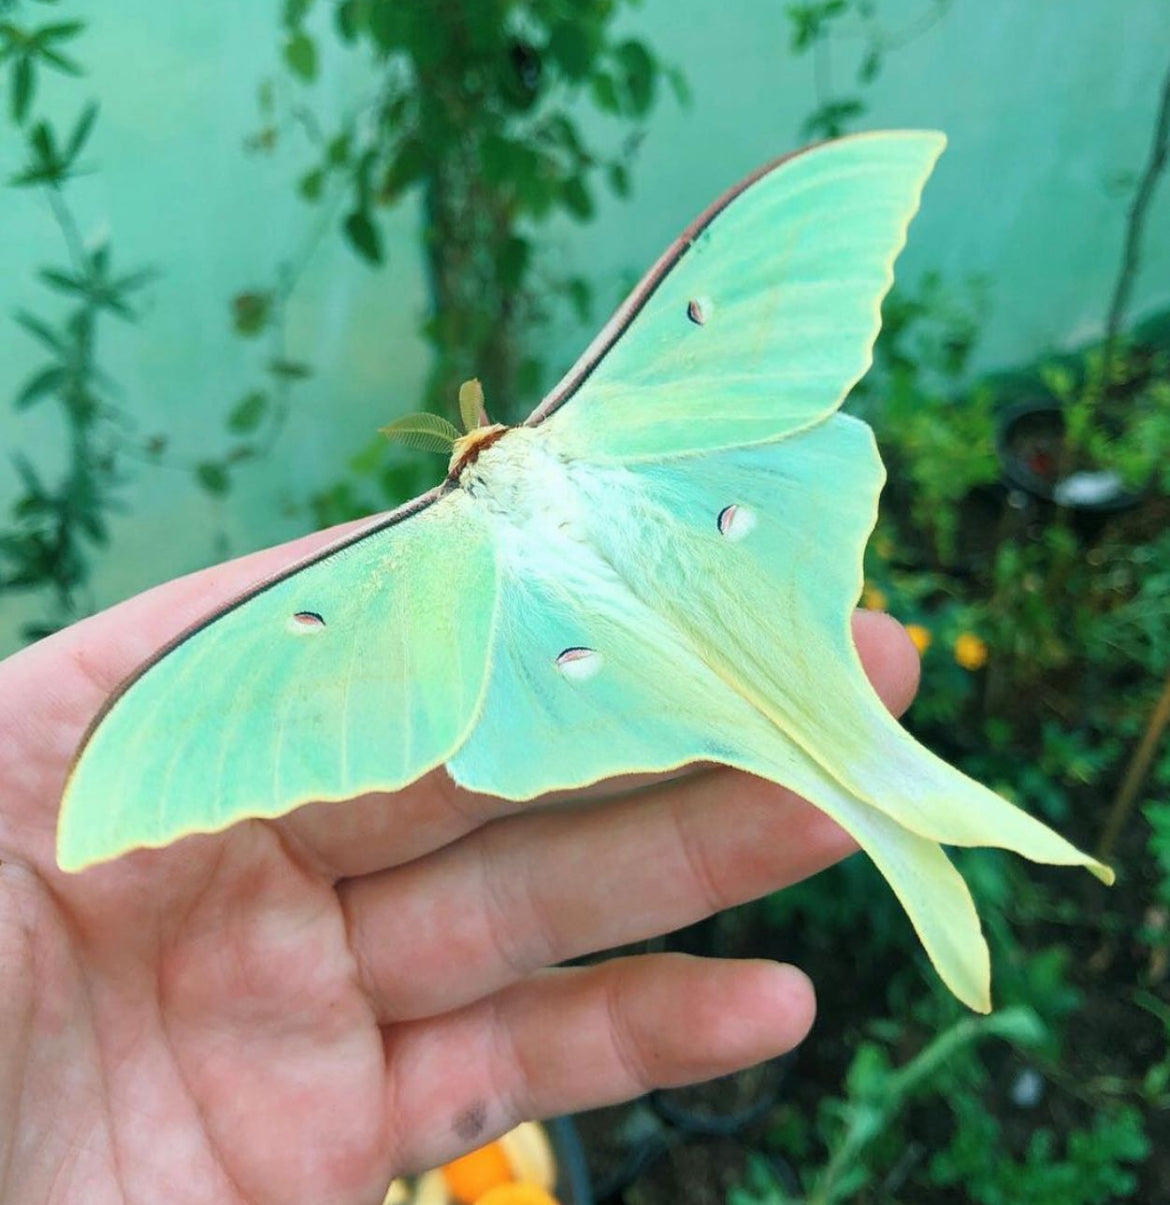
x=479, y=108
x=56, y=527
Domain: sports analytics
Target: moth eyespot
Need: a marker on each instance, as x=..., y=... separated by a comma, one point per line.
x=699, y=309
x=579, y=663
x=735, y=521
x=305, y=623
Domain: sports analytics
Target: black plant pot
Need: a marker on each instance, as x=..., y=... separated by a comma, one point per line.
x=1029, y=443
x=573, y=1187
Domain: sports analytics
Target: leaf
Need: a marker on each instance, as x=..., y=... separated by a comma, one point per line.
x=576, y=199
x=41, y=331
x=828, y=121
x=135, y=280
x=364, y=236
x=300, y=53
x=61, y=32
x=605, y=93
x=251, y=312
x=311, y=185
x=81, y=131
x=619, y=179
x=512, y=261
x=337, y=152
x=23, y=86
x=63, y=64
x=350, y=17
x=248, y=412
x=563, y=133
x=63, y=282
x=571, y=48
x=295, y=12
x=639, y=74
x=29, y=476
x=44, y=383
x=867, y=72
x=423, y=432
x=41, y=139
x=289, y=370
x=580, y=296
x=213, y=477
x=392, y=29
x=89, y=519
x=679, y=85
x=410, y=163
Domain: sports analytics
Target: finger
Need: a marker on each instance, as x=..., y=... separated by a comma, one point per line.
x=545, y=887
x=574, y=1039
x=380, y=831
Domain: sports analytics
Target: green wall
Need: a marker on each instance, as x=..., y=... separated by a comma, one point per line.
x=1048, y=105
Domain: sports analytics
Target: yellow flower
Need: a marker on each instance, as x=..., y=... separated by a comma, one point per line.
x=872, y=598
x=971, y=651
x=920, y=635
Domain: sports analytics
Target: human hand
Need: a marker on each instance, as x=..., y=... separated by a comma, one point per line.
x=295, y=1011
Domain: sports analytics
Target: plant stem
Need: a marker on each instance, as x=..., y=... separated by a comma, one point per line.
x=868, y=1119
x=1134, y=228
x=1135, y=774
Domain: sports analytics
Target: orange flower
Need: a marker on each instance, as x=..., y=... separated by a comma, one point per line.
x=472, y=1175
x=872, y=598
x=517, y=1194
x=920, y=635
x=971, y=651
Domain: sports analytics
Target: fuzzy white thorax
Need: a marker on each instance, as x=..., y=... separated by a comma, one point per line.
x=540, y=503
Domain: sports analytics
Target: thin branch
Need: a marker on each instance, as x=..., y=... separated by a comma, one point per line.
x=69, y=229
x=1135, y=227
x=1135, y=774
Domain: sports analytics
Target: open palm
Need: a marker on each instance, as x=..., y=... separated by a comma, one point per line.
x=294, y=1012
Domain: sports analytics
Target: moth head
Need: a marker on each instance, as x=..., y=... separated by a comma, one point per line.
x=433, y=433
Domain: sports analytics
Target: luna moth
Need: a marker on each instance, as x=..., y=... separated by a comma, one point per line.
x=657, y=568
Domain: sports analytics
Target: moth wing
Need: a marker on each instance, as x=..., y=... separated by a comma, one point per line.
x=760, y=319
x=357, y=671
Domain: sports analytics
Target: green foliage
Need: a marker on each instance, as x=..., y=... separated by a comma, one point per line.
x=1044, y=634
x=26, y=50
x=479, y=112
x=1095, y=1166
x=859, y=1132
x=1158, y=816
x=942, y=435
x=821, y=27
x=1071, y=620
x=56, y=528
x=478, y=109
x=761, y=1186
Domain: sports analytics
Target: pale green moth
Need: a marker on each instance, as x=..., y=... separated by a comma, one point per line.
x=657, y=568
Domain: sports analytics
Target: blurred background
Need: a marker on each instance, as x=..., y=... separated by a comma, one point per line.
x=235, y=240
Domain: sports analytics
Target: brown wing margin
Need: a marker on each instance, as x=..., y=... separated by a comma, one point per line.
x=645, y=288
x=405, y=511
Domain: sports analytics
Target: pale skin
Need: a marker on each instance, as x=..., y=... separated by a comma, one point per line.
x=291, y=1013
